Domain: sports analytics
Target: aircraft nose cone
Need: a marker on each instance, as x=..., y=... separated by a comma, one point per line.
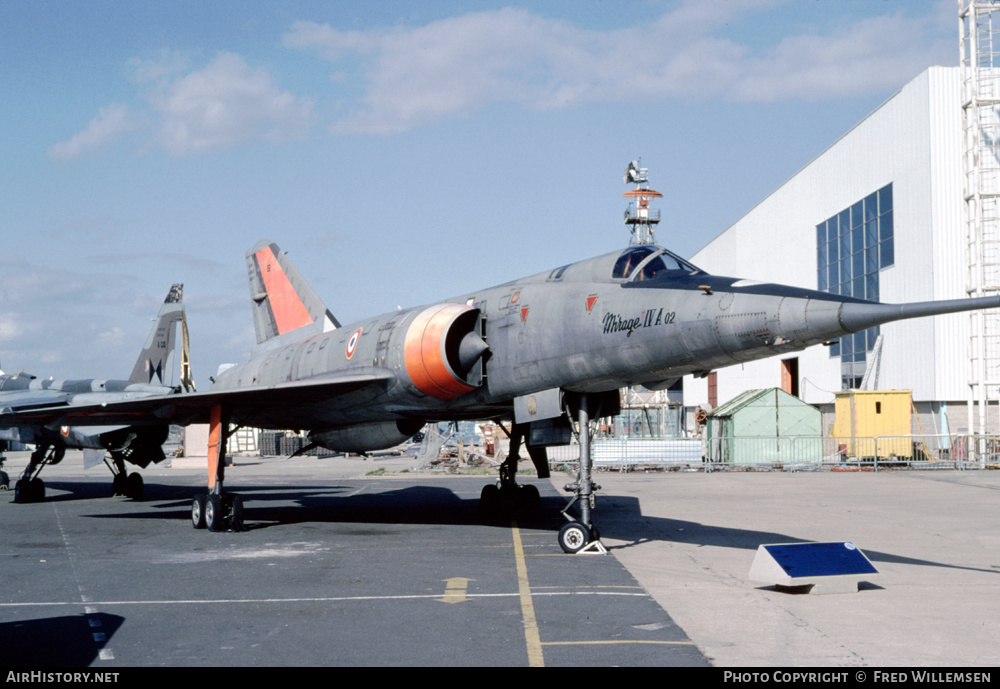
x=471, y=348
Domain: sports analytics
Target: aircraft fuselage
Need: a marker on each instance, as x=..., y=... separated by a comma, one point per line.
x=577, y=328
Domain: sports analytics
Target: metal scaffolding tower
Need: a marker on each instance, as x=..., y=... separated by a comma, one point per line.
x=639, y=217
x=979, y=29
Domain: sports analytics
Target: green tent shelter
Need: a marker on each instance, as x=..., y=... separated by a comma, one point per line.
x=765, y=427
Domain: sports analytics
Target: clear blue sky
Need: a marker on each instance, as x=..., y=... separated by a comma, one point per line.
x=401, y=152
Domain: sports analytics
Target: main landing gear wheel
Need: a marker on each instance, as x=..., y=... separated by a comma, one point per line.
x=507, y=498
x=198, y=511
x=29, y=490
x=130, y=485
x=506, y=501
x=213, y=513
x=217, y=512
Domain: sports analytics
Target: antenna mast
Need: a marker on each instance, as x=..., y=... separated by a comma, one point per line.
x=639, y=218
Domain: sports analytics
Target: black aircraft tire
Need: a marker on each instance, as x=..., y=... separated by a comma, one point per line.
x=20, y=494
x=489, y=501
x=573, y=537
x=215, y=516
x=118, y=485
x=531, y=499
x=134, y=485
x=198, y=511
x=236, y=512
x=37, y=489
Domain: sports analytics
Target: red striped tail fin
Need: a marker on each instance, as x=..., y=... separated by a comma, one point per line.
x=283, y=301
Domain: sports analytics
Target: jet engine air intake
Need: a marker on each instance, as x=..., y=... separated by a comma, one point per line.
x=442, y=351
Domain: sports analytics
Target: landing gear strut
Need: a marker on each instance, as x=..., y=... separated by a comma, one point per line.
x=507, y=497
x=217, y=510
x=30, y=488
x=581, y=535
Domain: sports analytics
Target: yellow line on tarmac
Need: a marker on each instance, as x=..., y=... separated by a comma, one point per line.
x=619, y=641
x=531, y=636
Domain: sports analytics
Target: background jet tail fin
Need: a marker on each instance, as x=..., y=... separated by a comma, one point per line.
x=282, y=300
x=155, y=364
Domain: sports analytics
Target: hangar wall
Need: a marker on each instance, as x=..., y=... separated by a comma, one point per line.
x=913, y=143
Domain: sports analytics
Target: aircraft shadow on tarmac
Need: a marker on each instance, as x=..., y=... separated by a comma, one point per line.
x=376, y=503
x=62, y=491
x=65, y=641
x=623, y=520
x=619, y=518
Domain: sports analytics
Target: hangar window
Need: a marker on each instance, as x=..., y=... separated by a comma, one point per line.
x=852, y=247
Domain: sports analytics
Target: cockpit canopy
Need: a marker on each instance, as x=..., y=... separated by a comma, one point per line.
x=648, y=261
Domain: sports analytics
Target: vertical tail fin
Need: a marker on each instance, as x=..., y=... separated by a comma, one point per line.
x=282, y=300
x=156, y=360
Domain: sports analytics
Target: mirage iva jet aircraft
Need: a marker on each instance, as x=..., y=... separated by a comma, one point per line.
x=542, y=351
x=138, y=445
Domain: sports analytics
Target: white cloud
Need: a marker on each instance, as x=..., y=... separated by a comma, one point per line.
x=878, y=54
x=109, y=124
x=396, y=79
x=115, y=337
x=451, y=67
x=224, y=105
x=10, y=326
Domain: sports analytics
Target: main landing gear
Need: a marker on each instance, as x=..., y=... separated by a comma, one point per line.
x=30, y=488
x=507, y=498
x=124, y=483
x=217, y=510
x=4, y=478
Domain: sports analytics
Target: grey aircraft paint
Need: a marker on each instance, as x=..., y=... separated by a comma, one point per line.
x=22, y=392
x=567, y=339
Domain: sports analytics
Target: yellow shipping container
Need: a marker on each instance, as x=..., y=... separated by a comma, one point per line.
x=873, y=423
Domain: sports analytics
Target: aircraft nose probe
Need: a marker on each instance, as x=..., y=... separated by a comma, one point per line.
x=856, y=316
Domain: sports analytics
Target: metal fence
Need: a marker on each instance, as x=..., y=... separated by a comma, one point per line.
x=798, y=452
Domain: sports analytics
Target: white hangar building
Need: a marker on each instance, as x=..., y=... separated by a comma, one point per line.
x=879, y=215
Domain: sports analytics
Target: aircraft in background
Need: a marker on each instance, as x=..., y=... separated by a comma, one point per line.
x=548, y=352
x=137, y=445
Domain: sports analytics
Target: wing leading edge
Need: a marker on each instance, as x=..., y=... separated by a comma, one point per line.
x=246, y=405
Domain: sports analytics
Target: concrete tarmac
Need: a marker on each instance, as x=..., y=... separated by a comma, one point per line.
x=343, y=567
x=690, y=540
x=337, y=567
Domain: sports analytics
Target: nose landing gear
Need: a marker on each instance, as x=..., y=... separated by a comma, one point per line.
x=582, y=535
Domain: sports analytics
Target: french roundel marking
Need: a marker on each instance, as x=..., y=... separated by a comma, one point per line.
x=352, y=343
